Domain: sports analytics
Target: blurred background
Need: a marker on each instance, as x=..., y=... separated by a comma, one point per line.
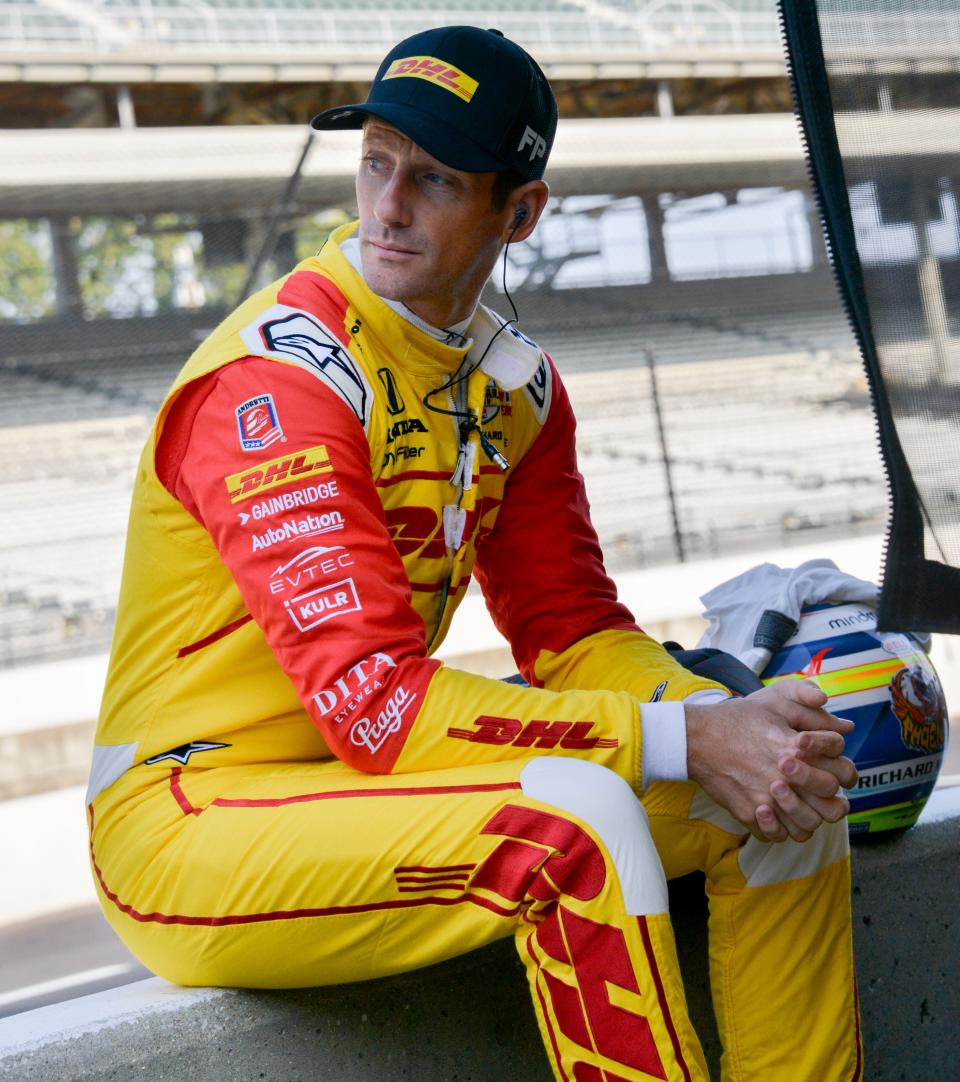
x=155, y=166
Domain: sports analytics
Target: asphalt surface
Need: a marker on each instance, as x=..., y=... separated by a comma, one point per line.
x=60, y=956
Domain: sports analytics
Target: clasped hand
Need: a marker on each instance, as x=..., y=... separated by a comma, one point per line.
x=773, y=759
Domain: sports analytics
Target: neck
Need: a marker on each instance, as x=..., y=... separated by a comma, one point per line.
x=422, y=317
x=442, y=315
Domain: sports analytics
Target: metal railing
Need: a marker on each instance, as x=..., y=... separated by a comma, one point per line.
x=652, y=27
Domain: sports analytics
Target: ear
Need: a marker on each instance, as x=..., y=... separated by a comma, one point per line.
x=524, y=208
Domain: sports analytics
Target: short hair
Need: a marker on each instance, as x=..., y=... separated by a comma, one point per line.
x=505, y=181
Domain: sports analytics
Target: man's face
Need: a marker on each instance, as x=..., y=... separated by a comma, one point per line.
x=429, y=235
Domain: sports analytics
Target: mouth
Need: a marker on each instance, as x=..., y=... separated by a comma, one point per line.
x=391, y=251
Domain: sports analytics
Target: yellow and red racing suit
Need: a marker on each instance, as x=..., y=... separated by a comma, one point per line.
x=320, y=487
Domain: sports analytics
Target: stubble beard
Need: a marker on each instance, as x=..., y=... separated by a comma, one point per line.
x=392, y=283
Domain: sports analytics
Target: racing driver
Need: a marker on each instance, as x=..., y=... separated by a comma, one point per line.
x=287, y=790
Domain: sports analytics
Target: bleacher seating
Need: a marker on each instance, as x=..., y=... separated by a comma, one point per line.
x=766, y=423
x=573, y=25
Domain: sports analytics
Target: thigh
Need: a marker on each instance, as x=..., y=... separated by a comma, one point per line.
x=283, y=875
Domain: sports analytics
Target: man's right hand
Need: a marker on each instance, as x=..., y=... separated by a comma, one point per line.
x=773, y=759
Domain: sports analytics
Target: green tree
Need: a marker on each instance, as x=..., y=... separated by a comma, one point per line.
x=27, y=288
x=115, y=266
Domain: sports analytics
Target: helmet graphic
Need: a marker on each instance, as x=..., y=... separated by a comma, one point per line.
x=884, y=683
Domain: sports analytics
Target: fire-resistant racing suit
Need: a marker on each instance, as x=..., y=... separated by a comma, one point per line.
x=287, y=790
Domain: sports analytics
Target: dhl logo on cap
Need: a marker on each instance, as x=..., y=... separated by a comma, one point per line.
x=434, y=71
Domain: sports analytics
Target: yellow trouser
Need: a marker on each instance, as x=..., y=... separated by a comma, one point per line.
x=288, y=875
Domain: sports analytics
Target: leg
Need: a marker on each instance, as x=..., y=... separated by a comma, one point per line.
x=600, y=957
x=781, y=944
x=288, y=875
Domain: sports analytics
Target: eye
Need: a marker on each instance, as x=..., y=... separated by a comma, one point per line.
x=436, y=180
x=373, y=164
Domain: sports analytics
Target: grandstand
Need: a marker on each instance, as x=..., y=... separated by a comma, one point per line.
x=66, y=63
x=180, y=27
x=768, y=437
x=721, y=403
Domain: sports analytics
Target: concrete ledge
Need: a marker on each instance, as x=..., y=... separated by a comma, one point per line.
x=47, y=711
x=470, y=1018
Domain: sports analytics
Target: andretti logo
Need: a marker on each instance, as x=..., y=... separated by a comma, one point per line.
x=277, y=472
x=258, y=423
x=435, y=71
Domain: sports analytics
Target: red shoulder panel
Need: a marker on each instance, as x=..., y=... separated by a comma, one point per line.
x=317, y=294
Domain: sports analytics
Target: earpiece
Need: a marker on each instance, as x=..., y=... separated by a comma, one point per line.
x=520, y=214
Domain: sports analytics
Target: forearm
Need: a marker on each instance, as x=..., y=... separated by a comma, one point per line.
x=633, y=662
x=472, y=719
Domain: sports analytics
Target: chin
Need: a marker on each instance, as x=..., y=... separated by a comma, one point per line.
x=388, y=284
x=387, y=287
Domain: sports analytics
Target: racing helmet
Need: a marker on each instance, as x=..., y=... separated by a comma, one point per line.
x=885, y=683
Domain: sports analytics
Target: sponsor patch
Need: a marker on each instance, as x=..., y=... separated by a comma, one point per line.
x=404, y=427
x=535, y=141
x=539, y=390
x=495, y=402
x=258, y=423
x=277, y=472
x=532, y=734
x=182, y=753
x=395, y=402
x=289, y=501
x=349, y=690
x=308, y=526
x=435, y=71
x=370, y=734
x=315, y=607
x=308, y=566
x=294, y=335
x=400, y=454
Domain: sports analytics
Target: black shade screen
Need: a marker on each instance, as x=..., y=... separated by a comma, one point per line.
x=877, y=91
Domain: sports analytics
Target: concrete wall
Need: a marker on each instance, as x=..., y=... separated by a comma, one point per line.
x=470, y=1019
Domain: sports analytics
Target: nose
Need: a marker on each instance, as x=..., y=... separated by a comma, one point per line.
x=393, y=205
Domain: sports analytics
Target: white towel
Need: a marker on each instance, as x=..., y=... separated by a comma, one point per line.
x=753, y=614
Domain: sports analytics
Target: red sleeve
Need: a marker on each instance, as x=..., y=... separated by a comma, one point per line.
x=541, y=567
x=320, y=577
x=314, y=563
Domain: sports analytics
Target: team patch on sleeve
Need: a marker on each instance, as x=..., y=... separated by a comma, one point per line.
x=258, y=423
x=290, y=334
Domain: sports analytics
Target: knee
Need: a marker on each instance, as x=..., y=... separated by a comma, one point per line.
x=763, y=864
x=608, y=806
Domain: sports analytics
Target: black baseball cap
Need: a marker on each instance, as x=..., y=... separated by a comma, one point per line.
x=471, y=98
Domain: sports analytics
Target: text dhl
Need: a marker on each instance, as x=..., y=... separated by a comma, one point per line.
x=533, y=734
x=434, y=71
x=279, y=471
